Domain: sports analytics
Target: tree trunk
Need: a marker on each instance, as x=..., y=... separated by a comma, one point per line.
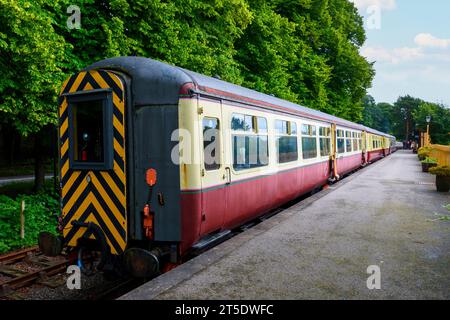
x=407, y=130
x=55, y=153
x=39, y=164
x=9, y=140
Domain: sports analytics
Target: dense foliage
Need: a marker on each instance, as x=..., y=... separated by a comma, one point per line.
x=439, y=124
x=406, y=117
x=306, y=51
x=39, y=215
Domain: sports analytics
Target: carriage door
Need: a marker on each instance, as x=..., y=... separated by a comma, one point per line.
x=213, y=173
x=364, y=147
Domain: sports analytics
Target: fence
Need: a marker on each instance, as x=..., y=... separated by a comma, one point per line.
x=441, y=153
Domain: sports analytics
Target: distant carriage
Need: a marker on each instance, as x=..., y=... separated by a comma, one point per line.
x=121, y=117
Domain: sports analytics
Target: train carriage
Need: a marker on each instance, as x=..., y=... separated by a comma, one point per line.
x=127, y=120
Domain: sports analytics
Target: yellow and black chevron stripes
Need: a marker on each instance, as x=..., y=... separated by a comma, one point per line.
x=95, y=196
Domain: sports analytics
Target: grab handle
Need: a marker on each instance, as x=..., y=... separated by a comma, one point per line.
x=228, y=174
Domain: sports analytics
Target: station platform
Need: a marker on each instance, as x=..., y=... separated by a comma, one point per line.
x=386, y=215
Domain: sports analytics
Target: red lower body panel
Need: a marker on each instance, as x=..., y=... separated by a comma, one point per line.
x=349, y=163
x=228, y=206
x=375, y=155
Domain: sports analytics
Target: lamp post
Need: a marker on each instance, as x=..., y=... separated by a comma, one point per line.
x=428, y=119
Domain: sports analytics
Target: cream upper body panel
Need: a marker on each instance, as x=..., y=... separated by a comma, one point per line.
x=192, y=112
x=355, y=137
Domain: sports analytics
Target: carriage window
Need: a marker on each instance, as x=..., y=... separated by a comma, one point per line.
x=355, y=142
x=287, y=149
x=348, y=145
x=293, y=126
x=262, y=125
x=325, y=141
x=348, y=141
x=309, y=142
x=250, y=150
x=240, y=122
x=340, y=141
x=211, y=143
x=237, y=122
x=88, y=131
x=308, y=129
x=248, y=123
x=281, y=127
x=286, y=141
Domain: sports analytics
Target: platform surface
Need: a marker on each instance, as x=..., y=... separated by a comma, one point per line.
x=386, y=214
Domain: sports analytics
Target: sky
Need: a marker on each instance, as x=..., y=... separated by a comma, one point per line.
x=409, y=41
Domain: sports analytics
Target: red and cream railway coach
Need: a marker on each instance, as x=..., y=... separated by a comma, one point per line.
x=137, y=178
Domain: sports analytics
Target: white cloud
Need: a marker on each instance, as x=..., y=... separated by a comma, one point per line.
x=382, y=4
x=423, y=41
x=428, y=40
x=425, y=79
x=393, y=56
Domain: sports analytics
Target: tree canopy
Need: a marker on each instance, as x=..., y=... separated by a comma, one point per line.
x=31, y=61
x=305, y=51
x=439, y=124
x=406, y=117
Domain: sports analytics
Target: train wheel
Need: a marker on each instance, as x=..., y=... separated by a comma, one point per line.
x=88, y=261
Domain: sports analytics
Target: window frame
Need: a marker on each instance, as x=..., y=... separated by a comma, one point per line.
x=340, y=135
x=312, y=134
x=253, y=132
x=355, y=141
x=105, y=95
x=326, y=136
x=219, y=145
x=289, y=133
x=348, y=138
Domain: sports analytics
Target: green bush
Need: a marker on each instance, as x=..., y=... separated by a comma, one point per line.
x=429, y=160
x=423, y=152
x=40, y=215
x=440, y=171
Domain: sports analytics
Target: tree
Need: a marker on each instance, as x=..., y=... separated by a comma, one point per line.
x=406, y=117
x=267, y=50
x=329, y=74
x=402, y=116
x=196, y=34
x=439, y=124
x=305, y=51
x=31, y=55
x=377, y=115
x=369, y=105
x=352, y=75
x=385, y=121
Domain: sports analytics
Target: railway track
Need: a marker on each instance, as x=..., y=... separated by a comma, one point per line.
x=22, y=270
x=17, y=255
x=25, y=267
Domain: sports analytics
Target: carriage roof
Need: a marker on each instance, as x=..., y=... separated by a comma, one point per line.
x=159, y=83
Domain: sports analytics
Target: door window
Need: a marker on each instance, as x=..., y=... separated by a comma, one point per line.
x=211, y=143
